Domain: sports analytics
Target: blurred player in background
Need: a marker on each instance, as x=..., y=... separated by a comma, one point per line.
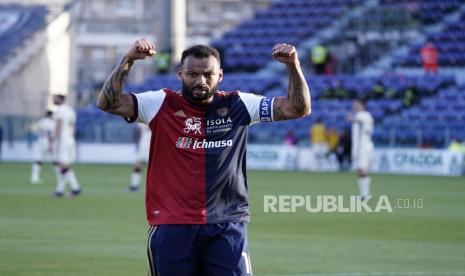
x=318, y=140
x=196, y=198
x=142, y=156
x=344, y=149
x=65, y=146
x=362, y=146
x=45, y=130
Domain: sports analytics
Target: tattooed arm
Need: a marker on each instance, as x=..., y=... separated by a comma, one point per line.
x=111, y=99
x=297, y=103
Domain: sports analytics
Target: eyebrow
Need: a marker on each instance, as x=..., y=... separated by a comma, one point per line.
x=209, y=71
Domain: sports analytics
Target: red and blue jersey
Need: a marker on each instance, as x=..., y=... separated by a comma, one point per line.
x=197, y=163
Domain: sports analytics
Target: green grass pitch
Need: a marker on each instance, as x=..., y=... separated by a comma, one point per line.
x=103, y=232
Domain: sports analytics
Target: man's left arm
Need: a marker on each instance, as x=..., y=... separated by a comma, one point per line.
x=58, y=123
x=297, y=104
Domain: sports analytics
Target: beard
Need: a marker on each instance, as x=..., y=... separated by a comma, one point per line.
x=198, y=93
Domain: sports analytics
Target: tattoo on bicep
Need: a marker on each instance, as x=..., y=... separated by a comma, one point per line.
x=278, y=113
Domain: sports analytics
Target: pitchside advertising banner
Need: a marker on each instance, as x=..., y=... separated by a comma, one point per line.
x=419, y=161
x=398, y=161
x=275, y=157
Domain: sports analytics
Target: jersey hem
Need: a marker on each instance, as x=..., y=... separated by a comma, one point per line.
x=243, y=220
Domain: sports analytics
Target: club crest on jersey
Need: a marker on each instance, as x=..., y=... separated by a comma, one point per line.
x=222, y=111
x=193, y=124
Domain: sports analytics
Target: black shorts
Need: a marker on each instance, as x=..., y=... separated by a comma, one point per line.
x=198, y=249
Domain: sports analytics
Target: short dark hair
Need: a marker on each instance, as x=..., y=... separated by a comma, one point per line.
x=200, y=51
x=60, y=96
x=362, y=101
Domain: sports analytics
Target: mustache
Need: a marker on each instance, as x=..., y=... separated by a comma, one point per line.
x=200, y=87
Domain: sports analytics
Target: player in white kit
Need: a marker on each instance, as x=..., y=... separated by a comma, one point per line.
x=65, y=146
x=143, y=146
x=362, y=146
x=44, y=146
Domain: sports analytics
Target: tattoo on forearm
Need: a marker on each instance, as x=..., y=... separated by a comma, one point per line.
x=296, y=95
x=297, y=101
x=111, y=91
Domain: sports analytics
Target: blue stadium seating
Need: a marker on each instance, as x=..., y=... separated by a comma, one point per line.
x=248, y=46
x=450, y=42
x=427, y=11
x=436, y=116
x=17, y=23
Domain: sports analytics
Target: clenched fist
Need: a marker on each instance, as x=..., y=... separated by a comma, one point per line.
x=141, y=49
x=285, y=53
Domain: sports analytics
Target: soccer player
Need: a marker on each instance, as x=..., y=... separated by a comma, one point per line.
x=143, y=145
x=65, y=146
x=196, y=196
x=362, y=146
x=44, y=146
x=318, y=140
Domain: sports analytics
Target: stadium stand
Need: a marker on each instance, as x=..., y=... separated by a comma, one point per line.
x=450, y=42
x=427, y=11
x=17, y=23
x=414, y=110
x=433, y=122
x=292, y=21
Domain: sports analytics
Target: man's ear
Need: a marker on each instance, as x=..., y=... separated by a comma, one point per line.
x=179, y=73
x=221, y=75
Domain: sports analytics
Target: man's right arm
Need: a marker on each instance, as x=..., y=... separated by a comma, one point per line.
x=111, y=99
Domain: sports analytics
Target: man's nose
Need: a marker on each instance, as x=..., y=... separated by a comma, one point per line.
x=202, y=80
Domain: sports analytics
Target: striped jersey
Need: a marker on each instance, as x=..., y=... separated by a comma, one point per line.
x=197, y=163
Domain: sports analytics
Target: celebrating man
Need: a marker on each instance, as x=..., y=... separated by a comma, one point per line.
x=197, y=203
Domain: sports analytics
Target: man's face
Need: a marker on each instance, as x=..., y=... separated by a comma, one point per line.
x=357, y=106
x=200, y=78
x=56, y=100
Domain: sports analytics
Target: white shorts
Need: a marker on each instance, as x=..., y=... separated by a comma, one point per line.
x=66, y=153
x=42, y=152
x=143, y=150
x=365, y=160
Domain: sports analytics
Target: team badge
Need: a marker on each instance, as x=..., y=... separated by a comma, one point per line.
x=193, y=124
x=222, y=111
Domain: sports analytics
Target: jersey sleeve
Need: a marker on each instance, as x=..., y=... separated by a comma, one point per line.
x=146, y=106
x=260, y=108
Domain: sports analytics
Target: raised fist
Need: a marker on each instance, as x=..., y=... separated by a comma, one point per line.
x=141, y=49
x=285, y=53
